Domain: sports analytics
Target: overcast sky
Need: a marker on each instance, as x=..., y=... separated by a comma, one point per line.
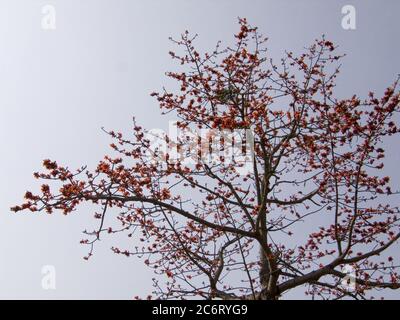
x=58, y=87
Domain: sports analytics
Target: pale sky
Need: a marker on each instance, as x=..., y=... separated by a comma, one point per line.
x=97, y=68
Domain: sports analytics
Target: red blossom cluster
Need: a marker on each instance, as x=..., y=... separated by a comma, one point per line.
x=315, y=201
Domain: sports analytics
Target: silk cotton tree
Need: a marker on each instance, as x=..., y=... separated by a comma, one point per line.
x=312, y=204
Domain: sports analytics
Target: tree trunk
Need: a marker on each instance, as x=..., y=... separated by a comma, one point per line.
x=268, y=277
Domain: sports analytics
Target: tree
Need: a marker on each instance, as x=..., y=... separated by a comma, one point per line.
x=304, y=202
